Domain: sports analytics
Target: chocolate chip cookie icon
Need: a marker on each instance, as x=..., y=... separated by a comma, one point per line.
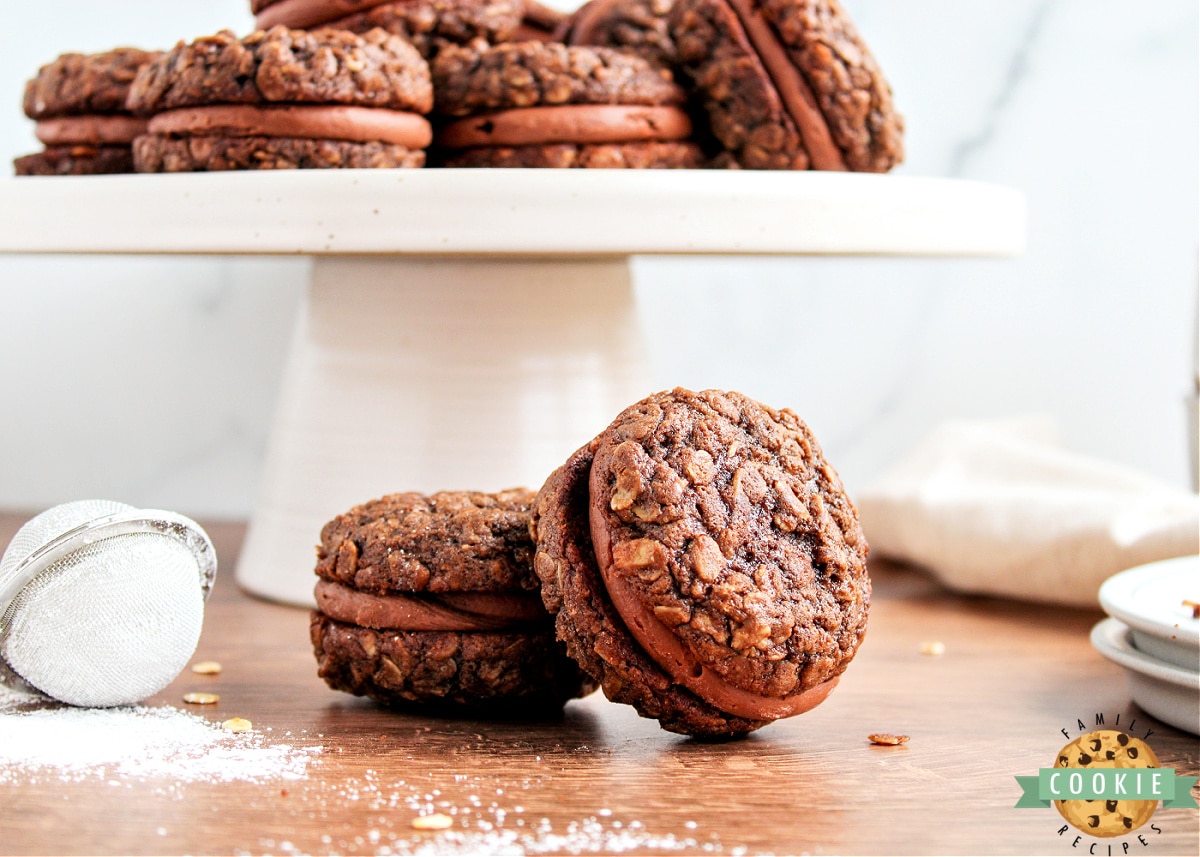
x=1106, y=748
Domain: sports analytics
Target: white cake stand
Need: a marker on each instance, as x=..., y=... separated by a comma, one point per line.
x=471, y=328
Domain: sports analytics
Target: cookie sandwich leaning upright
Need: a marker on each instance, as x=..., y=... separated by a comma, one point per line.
x=539, y=22
x=284, y=99
x=641, y=26
x=704, y=563
x=788, y=84
x=428, y=24
x=543, y=104
x=432, y=600
x=78, y=102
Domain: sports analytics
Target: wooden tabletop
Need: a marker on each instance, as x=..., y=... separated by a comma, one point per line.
x=603, y=780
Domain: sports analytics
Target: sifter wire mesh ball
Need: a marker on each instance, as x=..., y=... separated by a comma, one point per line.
x=101, y=603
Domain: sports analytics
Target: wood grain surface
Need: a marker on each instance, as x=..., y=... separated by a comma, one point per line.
x=603, y=780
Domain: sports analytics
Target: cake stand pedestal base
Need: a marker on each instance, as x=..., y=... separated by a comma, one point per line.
x=427, y=374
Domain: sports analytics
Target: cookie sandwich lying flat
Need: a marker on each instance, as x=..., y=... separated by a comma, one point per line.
x=284, y=99
x=540, y=104
x=428, y=24
x=788, y=84
x=78, y=102
x=704, y=563
x=433, y=599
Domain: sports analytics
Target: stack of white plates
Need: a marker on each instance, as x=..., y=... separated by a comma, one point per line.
x=1155, y=637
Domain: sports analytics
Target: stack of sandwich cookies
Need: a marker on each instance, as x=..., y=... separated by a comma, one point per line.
x=428, y=24
x=284, y=99
x=433, y=600
x=788, y=84
x=78, y=102
x=541, y=104
x=641, y=26
x=704, y=563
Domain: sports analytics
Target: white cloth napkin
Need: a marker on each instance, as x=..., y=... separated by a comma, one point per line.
x=1000, y=509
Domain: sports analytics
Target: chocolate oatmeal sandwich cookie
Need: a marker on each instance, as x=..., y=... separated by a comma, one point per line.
x=433, y=600
x=78, y=102
x=543, y=104
x=640, y=26
x=428, y=24
x=284, y=99
x=704, y=563
x=788, y=84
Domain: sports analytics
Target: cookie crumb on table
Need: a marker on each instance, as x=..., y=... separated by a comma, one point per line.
x=884, y=739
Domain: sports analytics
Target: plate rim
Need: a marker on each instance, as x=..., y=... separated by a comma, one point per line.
x=1122, y=582
x=1110, y=637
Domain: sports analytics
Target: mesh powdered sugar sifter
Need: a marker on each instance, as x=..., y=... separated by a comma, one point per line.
x=101, y=603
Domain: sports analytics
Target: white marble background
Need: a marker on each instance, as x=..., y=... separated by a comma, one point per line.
x=152, y=380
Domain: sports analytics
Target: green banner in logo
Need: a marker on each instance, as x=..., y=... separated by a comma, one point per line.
x=1052, y=784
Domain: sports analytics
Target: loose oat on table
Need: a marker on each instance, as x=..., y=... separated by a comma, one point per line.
x=237, y=724
x=886, y=739
x=199, y=698
x=437, y=821
x=932, y=647
x=206, y=668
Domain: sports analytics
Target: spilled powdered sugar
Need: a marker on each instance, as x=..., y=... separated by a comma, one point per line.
x=481, y=824
x=41, y=740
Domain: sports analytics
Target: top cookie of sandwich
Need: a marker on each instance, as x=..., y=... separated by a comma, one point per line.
x=428, y=24
x=78, y=84
x=528, y=74
x=287, y=66
x=451, y=541
x=788, y=84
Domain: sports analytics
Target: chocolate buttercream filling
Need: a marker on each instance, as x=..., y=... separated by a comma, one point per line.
x=667, y=650
x=567, y=123
x=314, y=122
x=451, y=611
x=91, y=130
x=302, y=14
x=798, y=99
